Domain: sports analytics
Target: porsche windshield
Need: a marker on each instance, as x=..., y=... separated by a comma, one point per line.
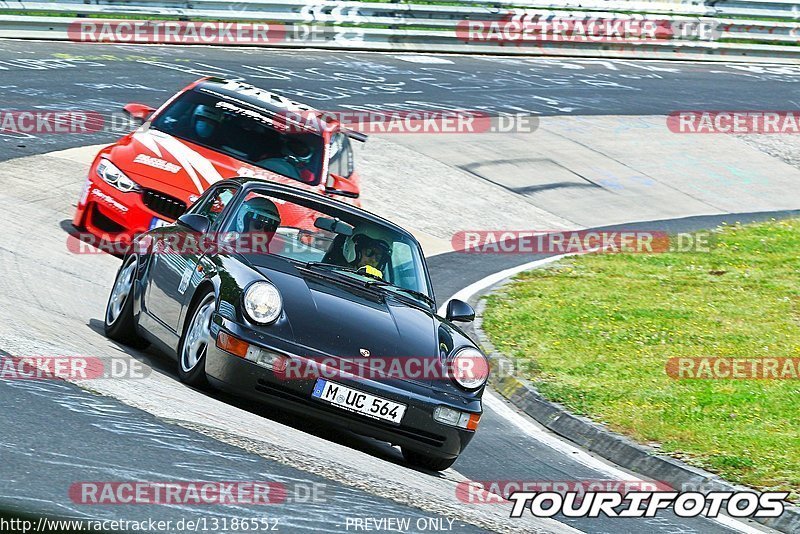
x=243, y=133
x=325, y=237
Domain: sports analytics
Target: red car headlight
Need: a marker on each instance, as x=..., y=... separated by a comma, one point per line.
x=113, y=176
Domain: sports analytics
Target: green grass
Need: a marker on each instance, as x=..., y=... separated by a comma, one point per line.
x=597, y=330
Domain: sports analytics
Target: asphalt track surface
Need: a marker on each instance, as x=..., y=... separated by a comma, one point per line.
x=53, y=430
x=57, y=433
x=103, y=78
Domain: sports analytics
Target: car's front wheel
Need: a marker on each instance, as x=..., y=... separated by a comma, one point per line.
x=420, y=459
x=195, y=341
x=119, y=323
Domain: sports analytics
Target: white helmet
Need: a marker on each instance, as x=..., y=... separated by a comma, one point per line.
x=205, y=120
x=369, y=236
x=258, y=214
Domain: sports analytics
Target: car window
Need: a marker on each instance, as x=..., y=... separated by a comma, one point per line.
x=214, y=204
x=404, y=269
x=295, y=236
x=341, y=159
x=245, y=134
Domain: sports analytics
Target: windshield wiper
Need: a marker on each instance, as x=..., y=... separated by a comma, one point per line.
x=338, y=272
x=375, y=282
x=329, y=266
x=333, y=266
x=414, y=293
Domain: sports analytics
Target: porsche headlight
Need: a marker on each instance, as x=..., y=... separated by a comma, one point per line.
x=469, y=368
x=262, y=302
x=112, y=175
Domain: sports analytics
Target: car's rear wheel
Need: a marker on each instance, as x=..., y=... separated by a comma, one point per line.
x=119, y=323
x=195, y=341
x=425, y=461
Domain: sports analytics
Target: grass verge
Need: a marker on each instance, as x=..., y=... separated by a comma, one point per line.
x=597, y=331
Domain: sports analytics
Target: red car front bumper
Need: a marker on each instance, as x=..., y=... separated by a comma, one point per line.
x=117, y=217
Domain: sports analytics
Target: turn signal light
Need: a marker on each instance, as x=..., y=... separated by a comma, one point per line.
x=472, y=422
x=449, y=416
x=242, y=349
x=235, y=346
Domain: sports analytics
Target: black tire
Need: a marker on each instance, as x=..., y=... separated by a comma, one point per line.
x=119, y=323
x=192, y=352
x=431, y=463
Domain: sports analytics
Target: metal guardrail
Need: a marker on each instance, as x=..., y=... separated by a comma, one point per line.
x=717, y=29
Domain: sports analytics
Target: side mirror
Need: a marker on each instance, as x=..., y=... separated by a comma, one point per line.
x=138, y=111
x=196, y=223
x=459, y=311
x=341, y=186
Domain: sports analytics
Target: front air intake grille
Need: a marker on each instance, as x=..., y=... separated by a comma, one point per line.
x=165, y=205
x=104, y=224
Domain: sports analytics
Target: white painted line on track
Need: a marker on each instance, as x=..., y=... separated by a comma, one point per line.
x=539, y=434
x=579, y=455
x=428, y=60
x=466, y=293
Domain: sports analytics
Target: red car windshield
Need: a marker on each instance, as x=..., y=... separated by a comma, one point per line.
x=243, y=134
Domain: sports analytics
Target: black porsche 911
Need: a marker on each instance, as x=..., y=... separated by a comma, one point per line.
x=334, y=317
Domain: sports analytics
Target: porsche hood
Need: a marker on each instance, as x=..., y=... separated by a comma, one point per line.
x=344, y=321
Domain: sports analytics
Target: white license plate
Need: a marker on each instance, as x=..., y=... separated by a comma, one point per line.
x=357, y=401
x=158, y=223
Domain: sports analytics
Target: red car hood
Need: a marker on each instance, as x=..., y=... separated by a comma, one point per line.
x=181, y=164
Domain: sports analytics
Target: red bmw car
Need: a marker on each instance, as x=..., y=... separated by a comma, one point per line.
x=212, y=130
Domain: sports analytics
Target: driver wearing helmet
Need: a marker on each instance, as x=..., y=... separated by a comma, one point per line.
x=369, y=248
x=297, y=155
x=258, y=215
x=206, y=121
x=296, y=151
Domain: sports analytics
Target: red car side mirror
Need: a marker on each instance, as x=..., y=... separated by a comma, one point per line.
x=341, y=186
x=138, y=111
